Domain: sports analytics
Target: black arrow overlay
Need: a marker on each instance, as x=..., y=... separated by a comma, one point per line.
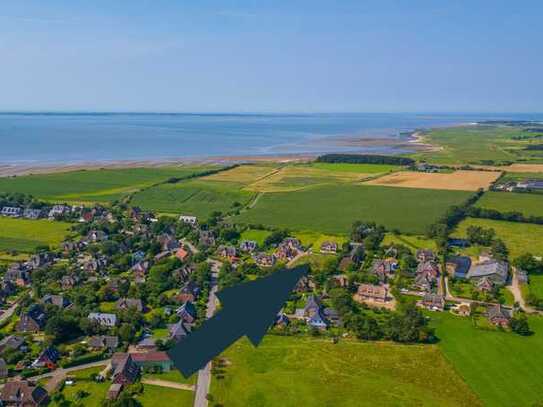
x=247, y=309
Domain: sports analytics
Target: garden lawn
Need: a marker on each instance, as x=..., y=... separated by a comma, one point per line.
x=535, y=285
x=294, y=371
x=195, y=197
x=105, y=185
x=412, y=241
x=503, y=368
x=519, y=238
x=332, y=209
x=96, y=391
x=25, y=235
x=259, y=236
x=156, y=396
x=527, y=204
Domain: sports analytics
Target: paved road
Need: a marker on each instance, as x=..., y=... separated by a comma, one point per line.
x=8, y=313
x=517, y=294
x=72, y=369
x=167, y=383
x=204, y=375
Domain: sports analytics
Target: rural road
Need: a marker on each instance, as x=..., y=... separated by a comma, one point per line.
x=204, y=375
x=9, y=312
x=166, y=383
x=517, y=294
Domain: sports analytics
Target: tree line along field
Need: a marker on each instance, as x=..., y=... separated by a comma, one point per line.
x=292, y=371
x=333, y=208
x=518, y=237
x=356, y=168
x=526, y=203
x=104, y=185
x=25, y=235
x=502, y=368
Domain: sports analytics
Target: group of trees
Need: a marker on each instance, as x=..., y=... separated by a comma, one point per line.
x=365, y=159
x=487, y=237
x=484, y=213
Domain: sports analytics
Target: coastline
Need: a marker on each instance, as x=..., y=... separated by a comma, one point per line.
x=413, y=141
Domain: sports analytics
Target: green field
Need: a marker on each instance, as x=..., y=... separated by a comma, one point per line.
x=96, y=391
x=474, y=144
x=503, y=368
x=519, y=238
x=194, y=197
x=535, y=286
x=105, y=185
x=413, y=242
x=25, y=235
x=333, y=208
x=259, y=236
x=527, y=204
x=359, y=168
x=287, y=371
x=155, y=396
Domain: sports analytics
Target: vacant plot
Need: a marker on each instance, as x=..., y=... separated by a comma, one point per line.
x=458, y=180
x=244, y=174
x=25, y=235
x=503, y=368
x=289, y=372
x=104, y=185
x=315, y=239
x=357, y=168
x=194, y=197
x=527, y=204
x=332, y=209
x=519, y=238
x=257, y=235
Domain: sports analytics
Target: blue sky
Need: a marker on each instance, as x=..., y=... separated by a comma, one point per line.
x=271, y=56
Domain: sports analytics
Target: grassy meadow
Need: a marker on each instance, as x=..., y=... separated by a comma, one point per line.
x=527, y=204
x=157, y=396
x=104, y=185
x=414, y=242
x=196, y=197
x=25, y=235
x=287, y=371
x=357, y=168
x=519, y=238
x=332, y=209
x=503, y=368
x=474, y=145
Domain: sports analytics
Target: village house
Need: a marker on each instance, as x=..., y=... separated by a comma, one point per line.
x=248, y=246
x=68, y=282
x=154, y=360
x=426, y=275
x=189, y=292
x=58, y=211
x=264, y=260
x=58, y=300
x=32, y=321
x=146, y=344
x=312, y=306
x=182, y=254
x=499, y=315
x=103, y=319
x=339, y=280
x=11, y=211
x=124, y=304
x=383, y=269
x=22, y=393
x=488, y=274
x=48, y=358
x=463, y=309
x=187, y=312
x=377, y=293
x=285, y=252
x=305, y=285
x=424, y=255
x=100, y=342
x=95, y=236
x=18, y=274
x=281, y=320
x=332, y=316
x=318, y=321
x=433, y=302
x=458, y=266
x=32, y=214
x=522, y=276
x=42, y=259
x=189, y=220
x=11, y=342
x=178, y=330
x=207, y=238
x=125, y=371
x=292, y=242
x=167, y=242
x=228, y=252
x=328, y=247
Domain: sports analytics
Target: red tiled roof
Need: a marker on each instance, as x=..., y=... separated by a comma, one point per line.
x=150, y=357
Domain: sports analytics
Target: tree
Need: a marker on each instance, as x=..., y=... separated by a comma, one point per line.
x=528, y=263
x=519, y=324
x=62, y=327
x=409, y=325
x=499, y=250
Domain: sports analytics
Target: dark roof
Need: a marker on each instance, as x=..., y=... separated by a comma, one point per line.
x=23, y=393
x=103, y=341
x=57, y=300
x=150, y=357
